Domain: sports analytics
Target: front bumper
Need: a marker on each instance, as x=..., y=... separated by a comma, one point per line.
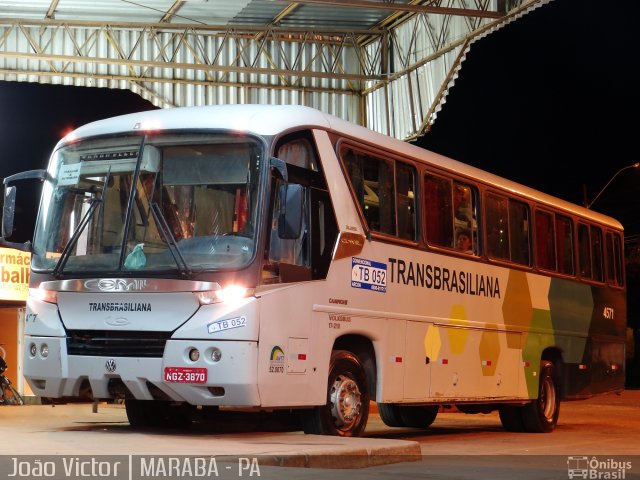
x=232, y=381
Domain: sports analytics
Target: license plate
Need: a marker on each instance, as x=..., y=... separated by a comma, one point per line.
x=185, y=375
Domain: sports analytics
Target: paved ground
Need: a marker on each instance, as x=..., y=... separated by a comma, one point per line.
x=457, y=446
x=74, y=429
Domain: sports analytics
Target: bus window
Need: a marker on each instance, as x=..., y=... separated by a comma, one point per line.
x=438, y=211
x=545, y=247
x=406, y=201
x=298, y=152
x=507, y=224
x=497, y=224
x=372, y=180
x=450, y=212
x=617, y=259
x=584, y=251
x=519, y=232
x=385, y=191
x=596, y=257
x=610, y=262
x=564, y=245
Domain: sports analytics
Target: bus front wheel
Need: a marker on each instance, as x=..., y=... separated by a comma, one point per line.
x=152, y=413
x=541, y=415
x=347, y=409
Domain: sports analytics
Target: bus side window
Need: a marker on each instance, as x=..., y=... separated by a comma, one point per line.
x=597, y=255
x=584, y=251
x=545, y=241
x=497, y=225
x=298, y=152
x=438, y=211
x=564, y=245
x=618, y=258
x=519, y=223
x=406, y=201
x=372, y=179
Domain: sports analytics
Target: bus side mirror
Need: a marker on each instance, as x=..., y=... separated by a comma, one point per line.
x=17, y=231
x=290, y=216
x=8, y=211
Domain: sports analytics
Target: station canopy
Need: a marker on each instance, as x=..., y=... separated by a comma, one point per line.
x=384, y=64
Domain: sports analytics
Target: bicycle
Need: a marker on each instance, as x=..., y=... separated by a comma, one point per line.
x=9, y=395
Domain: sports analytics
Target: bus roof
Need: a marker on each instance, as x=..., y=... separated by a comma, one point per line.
x=274, y=119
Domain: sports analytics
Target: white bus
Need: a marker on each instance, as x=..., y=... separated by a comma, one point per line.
x=275, y=257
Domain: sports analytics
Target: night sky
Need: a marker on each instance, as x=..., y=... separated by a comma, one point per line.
x=549, y=101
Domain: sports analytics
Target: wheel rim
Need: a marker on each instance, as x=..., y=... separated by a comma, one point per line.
x=346, y=402
x=548, y=399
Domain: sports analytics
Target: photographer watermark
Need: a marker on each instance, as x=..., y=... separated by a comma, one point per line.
x=127, y=467
x=605, y=468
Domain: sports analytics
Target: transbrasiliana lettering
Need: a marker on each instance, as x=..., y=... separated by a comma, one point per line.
x=442, y=278
x=119, y=307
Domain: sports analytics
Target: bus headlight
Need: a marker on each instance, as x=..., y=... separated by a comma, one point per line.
x=49, y=296
x=33, y=350
x=44, y=350
x=229, y=294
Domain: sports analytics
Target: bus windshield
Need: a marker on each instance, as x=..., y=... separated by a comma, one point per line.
x=180, y=203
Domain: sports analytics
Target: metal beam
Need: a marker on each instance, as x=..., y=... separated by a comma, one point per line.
x=52, y=9
x=403, y=7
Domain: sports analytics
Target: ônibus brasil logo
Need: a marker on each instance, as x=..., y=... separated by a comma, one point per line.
x=595, y=468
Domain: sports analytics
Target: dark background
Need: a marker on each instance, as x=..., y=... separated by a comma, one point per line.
x=550, y=101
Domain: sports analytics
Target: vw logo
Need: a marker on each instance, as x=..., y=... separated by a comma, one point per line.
x=110, y=365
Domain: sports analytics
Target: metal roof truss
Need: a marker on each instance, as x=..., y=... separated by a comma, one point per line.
x=392, y=76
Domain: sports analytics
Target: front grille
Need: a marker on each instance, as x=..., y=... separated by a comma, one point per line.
x=105, y=343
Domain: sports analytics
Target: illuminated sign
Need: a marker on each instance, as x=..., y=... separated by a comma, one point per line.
x=14, y=274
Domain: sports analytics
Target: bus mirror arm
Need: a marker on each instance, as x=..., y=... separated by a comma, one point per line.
x=28, y=175
x=279, y=166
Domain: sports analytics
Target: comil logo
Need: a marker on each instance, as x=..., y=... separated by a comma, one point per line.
x=116, y=285
x=597, y=468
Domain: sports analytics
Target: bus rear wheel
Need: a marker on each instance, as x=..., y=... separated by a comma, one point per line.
x=390, y=414
x=511, y=418
x=347, y=409
x=394, y=415
x=541, y=415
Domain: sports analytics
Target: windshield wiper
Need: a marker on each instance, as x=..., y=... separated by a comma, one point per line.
x=66, y=252
x=165, y=231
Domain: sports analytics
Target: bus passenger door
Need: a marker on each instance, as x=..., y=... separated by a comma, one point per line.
x=417, y=373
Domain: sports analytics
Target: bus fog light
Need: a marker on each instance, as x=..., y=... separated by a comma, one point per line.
x=194, y=354
x=33, y=350
x=44, y=350
x=216, y=354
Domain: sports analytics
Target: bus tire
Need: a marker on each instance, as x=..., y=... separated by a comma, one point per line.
x=153, y=413
x=418, y=417
x=511, y=418
x=541, y=415
x=346, y=411
x=390, y=414
x=141, y=413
